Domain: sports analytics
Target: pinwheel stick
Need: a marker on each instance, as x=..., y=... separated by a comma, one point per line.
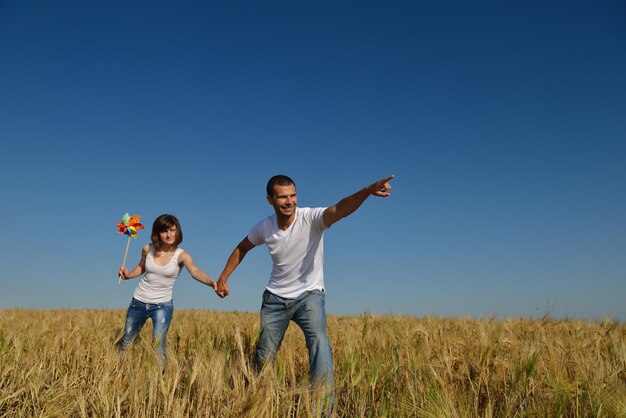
x=129, y=227
x=124, y=262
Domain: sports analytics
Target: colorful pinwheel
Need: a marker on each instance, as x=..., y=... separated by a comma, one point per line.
x=128, y=227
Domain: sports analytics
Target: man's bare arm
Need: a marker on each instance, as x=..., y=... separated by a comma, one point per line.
x=348, y=205
x=236, y=257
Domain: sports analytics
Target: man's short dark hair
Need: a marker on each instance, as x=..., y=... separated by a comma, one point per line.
x=278, y=180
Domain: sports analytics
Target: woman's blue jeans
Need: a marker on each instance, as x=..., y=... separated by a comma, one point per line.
x=136, y=316
x=309, y=312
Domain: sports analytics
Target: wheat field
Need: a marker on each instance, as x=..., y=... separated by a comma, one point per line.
x=64, y=363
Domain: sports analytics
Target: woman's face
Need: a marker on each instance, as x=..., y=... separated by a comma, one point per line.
x=168, y=236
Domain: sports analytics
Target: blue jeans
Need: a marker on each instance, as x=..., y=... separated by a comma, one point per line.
x=309, y=312
x=136, y=316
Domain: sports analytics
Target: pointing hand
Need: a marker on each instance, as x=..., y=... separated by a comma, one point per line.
x=382, y=187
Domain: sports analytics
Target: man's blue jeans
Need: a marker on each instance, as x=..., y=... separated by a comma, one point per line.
x=136, y=316
x=309, y=312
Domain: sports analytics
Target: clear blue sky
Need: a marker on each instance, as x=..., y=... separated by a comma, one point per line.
x=504, y=123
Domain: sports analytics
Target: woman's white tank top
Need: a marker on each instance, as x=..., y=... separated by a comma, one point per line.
x=158, y=281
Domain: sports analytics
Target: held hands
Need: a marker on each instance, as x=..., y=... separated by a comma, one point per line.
x=222, y=290
x=381, y=188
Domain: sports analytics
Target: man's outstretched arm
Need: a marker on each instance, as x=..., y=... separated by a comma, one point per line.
x=349, y=204
x=236, y=257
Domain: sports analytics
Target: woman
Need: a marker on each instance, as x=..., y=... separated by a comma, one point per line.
x=160, y=264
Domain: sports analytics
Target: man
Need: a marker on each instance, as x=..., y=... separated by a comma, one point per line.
x=295, y=292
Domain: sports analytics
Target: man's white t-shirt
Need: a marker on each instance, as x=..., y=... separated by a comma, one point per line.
x=297, y=253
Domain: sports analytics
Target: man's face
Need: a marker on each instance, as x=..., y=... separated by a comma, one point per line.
x=284, y=200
